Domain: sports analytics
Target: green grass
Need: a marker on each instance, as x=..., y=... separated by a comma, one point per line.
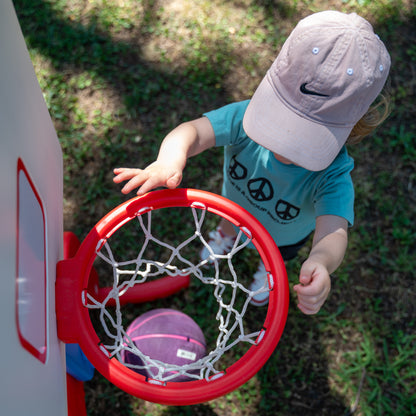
x=118, y=75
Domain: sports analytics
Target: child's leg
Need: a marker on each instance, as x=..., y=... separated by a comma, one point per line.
x=227, y=228
x=220, y=240
x=259, y=278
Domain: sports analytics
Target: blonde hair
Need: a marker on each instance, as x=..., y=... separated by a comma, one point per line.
x=375, y=115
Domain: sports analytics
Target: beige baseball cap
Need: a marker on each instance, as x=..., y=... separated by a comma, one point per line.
x=329, y=71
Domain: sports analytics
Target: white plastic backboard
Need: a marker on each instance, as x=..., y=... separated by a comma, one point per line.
x=32, y=359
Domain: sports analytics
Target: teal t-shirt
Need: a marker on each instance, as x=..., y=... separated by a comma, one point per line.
x=286, y=199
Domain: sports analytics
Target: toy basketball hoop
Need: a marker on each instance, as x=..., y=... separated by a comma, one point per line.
x=142, y=264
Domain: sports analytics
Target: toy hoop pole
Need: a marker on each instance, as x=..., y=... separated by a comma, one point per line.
x=74, y=323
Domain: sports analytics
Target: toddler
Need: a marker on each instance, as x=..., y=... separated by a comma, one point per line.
x=285, y=158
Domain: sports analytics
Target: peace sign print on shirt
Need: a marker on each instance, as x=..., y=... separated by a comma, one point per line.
x=260, y=189
x=236, y=170
x=286, y=211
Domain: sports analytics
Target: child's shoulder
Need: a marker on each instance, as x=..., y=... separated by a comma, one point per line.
x=343, y=162
x=234, y=109
x=227, y=123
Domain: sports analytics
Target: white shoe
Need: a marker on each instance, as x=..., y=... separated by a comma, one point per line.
x=259, y=282
x=219, y=243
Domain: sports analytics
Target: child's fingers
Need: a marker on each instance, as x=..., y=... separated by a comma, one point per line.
x=134, y=183
x=309, y=310
x=124, y=174
x=308, y=290
x=174, y=181
x=305, y=280
x=311, y=303
x=154, y=181
x=120, y=171
x=145, y=180
x=147, y=186
x=312, y=296
x=130, y=186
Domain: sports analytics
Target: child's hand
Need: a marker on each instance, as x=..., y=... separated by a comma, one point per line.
x=314, y=287
x=155, y=175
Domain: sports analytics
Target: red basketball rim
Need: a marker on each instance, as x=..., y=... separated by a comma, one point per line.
x=74, y=323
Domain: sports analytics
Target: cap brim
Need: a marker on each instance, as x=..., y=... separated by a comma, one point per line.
x=270, y=122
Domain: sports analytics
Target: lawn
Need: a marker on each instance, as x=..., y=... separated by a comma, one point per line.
x=117, y=75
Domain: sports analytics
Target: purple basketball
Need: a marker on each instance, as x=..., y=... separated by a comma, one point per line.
x=165, y=335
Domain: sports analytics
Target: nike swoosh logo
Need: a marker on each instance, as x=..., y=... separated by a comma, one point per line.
x=305, y=90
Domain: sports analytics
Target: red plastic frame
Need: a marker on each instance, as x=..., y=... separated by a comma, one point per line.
x=40, y=354
x=74, y=324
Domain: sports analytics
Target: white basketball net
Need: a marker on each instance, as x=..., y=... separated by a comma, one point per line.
x=135, y=271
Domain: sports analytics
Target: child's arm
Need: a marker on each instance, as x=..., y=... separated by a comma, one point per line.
x=328, y=250
x=186, y=140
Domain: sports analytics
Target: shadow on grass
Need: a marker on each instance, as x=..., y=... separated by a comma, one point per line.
x=153, y=99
